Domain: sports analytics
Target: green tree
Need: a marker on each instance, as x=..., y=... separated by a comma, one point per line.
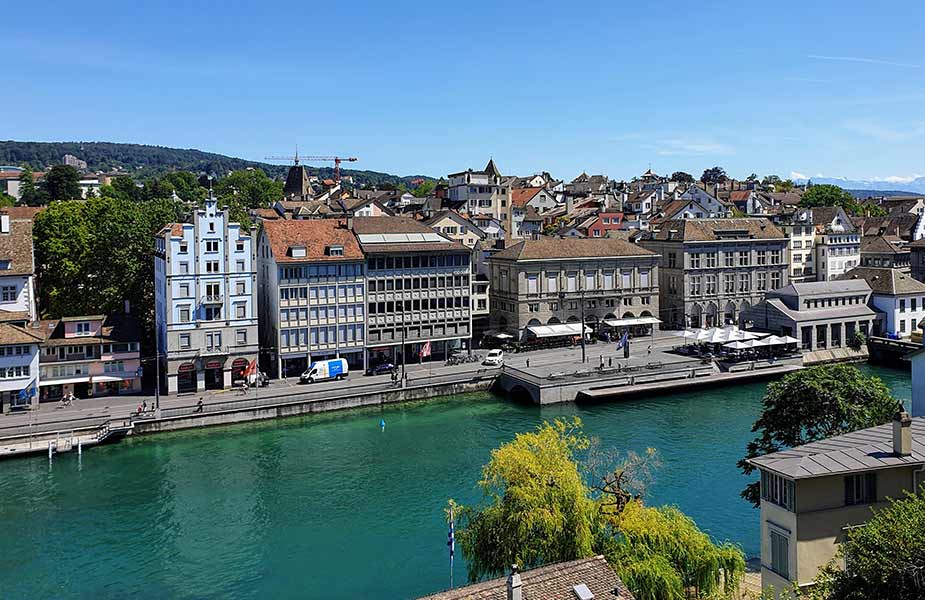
x=752, y=177
x=425, y=189
x=186, y=185
x=771, y=180
x=831, y=195
x=551, y=496
x=6, y=200
x=661, y=553
x=94, y=254
x=29, y=193
x=242, y=191
x=682, y=177
x=125, y=188
x=813, y=404
x=887, y=557
x=62, y=182
x=536, y=509
x=714, y=175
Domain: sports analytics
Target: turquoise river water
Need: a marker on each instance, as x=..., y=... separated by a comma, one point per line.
x=330, y=505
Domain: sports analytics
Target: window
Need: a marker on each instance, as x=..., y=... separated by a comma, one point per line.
x=83, y=328
x=710, y=287
x=762, y=257
x=211, y=245
x=183, y=290
x=590, y=280
x=695, y=285
x=212, y=290
x=239, y=265
x=335, y=251
x=780, y=554
x=762, y=281
x=552, y=282
x=743, y=258
x=644, y=279
x=778, y=490
x=239, y=246
x=776, y=257
x=211, y=266
x=626, y=280
x=744, y=283
x=184, y=267
x=184, y=247
x=672, y=260
x=533, y=307
x=695, y=260
x=902, y=305
x=240, y=310
x=213, y=340
x=729, y=258
x=532, y=283
x=711, y=260
x=241, y=337
x=8, y=293
x=608, y=280
x=184, y=341
x=776, y=279
x=240, y=288
x=860, y=488
x=184, y=314
x=729, y=283
x=213, y=313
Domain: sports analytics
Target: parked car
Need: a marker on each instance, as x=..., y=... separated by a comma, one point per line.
x=494, y=358
x=335, y=368
x=381, y=369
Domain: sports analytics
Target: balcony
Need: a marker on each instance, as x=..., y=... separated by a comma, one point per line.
x=212, y=299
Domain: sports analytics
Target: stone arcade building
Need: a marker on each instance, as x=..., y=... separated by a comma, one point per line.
x=713, y=270
x=538, y=286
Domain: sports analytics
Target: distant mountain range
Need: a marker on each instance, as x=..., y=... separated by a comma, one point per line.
x=871, y=187
x=142, y=161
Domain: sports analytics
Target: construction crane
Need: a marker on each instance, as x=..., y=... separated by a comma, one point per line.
x=335, y=159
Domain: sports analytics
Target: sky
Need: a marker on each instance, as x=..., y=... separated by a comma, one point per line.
x=830, y=88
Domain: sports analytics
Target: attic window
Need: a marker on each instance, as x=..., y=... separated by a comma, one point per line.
x=4, y=265
x=334, y=250
x=582, y=592
x=297, y=251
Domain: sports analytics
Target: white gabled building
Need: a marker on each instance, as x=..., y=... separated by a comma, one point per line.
x=205, y=301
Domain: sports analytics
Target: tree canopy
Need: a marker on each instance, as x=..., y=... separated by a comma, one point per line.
x=831, y=195
x=714, y=175
x=682, y=177
x=813, y=404
x=245, y=190
x=887, y=557
x=551, y=495
x=62, y=182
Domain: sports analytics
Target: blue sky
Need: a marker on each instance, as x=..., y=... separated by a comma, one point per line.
x=833, y=88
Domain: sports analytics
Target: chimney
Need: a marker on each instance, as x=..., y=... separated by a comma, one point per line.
x=569, y=204
x=902, y=434
x=514, y=587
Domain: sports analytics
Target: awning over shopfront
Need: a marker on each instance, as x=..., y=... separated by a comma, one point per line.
x=500, y=335
x=111, y=378
x=632, y=321
x=558, y=329
x=65, y=380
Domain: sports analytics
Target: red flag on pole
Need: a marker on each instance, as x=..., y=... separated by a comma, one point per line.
x=425, y=350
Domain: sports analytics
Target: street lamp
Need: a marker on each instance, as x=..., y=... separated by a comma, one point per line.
x=581, y=295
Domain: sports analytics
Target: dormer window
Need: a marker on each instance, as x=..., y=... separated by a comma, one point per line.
x=82, y=328
x=5, y=265
x=334, y=250
x=297, y=251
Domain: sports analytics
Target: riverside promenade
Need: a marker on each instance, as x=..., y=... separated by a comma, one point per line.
x=542, y=377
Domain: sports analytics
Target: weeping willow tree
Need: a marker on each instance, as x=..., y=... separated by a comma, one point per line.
x=546, y=499
x=536, y=508
x=661, y=554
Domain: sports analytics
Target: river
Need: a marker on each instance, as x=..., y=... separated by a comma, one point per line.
x=330, y=505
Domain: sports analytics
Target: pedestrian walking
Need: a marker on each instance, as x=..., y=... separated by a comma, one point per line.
x=528, y=363
x=198, y=406
x=649, y=350
x=144, y=405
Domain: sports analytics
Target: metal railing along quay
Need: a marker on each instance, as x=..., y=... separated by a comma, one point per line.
x=257, y=399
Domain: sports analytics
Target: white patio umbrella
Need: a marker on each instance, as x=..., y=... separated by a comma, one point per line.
x=736, y=345
x=788, y=339
x=775, y=341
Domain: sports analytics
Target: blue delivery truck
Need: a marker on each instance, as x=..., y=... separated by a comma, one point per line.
x=336, y=368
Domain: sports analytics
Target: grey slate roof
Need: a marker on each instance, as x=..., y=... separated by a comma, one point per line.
x=863, y=450
x=886, y=281
x=821, y=288
x=806, y=315
x=551, y=582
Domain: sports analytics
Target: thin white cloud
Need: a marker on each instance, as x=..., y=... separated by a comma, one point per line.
x=797, y=175
x=879, y=132
x=692, y=147
x=807, y=80
x=865, y=60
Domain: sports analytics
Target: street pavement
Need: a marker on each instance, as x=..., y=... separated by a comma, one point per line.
x=541, y=363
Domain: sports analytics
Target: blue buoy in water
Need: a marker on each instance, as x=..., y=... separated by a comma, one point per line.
x=382, y=424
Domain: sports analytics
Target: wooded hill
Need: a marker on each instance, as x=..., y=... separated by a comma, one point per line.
x=142, y=161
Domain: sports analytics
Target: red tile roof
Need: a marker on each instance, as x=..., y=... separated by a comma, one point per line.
x=315, y=235
x=520, y=196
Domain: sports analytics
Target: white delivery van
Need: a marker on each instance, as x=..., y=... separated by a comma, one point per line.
x=336, y=368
